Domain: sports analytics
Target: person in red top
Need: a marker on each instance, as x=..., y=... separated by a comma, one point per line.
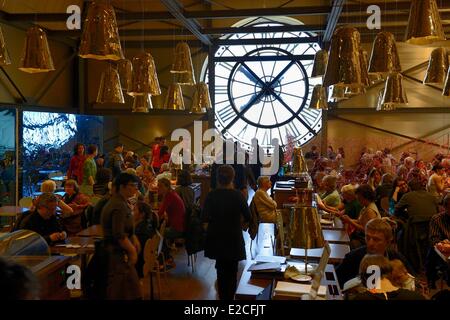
x=172, y=209
x=75, y=171
x=155, y=155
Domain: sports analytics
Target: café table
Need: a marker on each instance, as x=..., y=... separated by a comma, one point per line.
x=338, y=252
x=92, y=231
x=11, y=213
x=250, y=286
x=336, y=236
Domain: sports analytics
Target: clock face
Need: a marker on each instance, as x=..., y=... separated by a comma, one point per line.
x=266, y=99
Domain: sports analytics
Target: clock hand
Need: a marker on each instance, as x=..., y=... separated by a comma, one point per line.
x=250, y=74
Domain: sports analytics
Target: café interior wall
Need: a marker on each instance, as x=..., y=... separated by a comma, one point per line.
x=355, y=137
x=60, y=94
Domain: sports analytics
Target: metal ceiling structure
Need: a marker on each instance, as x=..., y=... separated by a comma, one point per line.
x=205, y=20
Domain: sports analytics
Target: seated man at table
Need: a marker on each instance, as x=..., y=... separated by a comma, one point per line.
x=43, y=219
x=378, y=236
x=440, y=237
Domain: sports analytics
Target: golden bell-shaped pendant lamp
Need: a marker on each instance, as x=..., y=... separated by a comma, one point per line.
x=446, y=90
x=125, y=69
x=201, y=101
x=351, y=92
x=100, y=37
x=384, y=58
x=394, y=93
x=424, y=23
x=185, y=78
x=305, y=228
x=363, y=59
x=174, y=98
x=142, y=103
x=338, y=93
x=318, y=98
x=437, y=67
x=298, y=161
x=381, y=106
x=344, y=65
x=144, y=79
x=182, y=62
x=36, y=54
x=320, y=64
x=4, y=55
x=110, y=90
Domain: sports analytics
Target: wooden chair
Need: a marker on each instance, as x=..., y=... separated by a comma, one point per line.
x=152, y=254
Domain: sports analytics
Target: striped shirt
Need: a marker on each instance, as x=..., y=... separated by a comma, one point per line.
x=440, y=227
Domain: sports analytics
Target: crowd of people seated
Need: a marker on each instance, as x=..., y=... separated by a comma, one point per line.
x=387, y=207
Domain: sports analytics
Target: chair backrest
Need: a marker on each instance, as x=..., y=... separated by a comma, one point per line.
x=151, y=253
x=253, y=224
x=26, y=202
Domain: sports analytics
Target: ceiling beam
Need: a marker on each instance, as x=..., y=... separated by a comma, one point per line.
x=176, y=9
x=333, y=18
x=222, y=14
x=262, y=41
x=206, y=31
x=155, y=44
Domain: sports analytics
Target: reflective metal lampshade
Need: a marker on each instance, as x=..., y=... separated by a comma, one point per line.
x=320, y=63
x=384, y=58
x=363, y=59
x=298, y=161
x=4, y=55
x=144, y=79
x=182, y=62
x=318, y=98
x=305, y=229
x=36, y=54
x=142, y=103
x=100, y=37
x=351, y=92
x=174, y=98
x=344, y=66
x=185, y=78
x=201, y=101
x=394, y=93
x=110, y=90
x=446, y=90
x=338, y=93
x=437, y=67
x=125, y=69
x=424, y=23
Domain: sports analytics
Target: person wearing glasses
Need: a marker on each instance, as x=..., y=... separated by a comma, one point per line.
x=120, y=244
x=43, y=220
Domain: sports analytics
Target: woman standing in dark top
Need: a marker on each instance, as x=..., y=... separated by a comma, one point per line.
x=120, y=243
x=225, y=209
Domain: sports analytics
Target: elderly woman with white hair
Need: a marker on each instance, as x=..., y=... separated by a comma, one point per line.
x=49, y=186
x=330, y=198
x=267, y=207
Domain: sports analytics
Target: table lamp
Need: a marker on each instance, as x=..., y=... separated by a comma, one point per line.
x=305, y=230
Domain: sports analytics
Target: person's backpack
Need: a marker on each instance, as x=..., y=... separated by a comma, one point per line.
x=253, y=224
x=195, y=234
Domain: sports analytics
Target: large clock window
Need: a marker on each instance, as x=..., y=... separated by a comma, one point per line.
x=257, y=96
